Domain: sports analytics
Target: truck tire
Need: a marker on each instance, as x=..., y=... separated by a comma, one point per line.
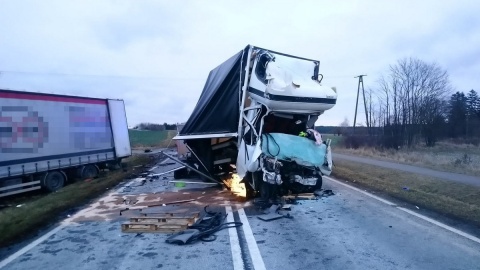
x=53, y=181
x=89, y=171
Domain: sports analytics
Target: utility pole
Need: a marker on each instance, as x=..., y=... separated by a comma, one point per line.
x=360, y=81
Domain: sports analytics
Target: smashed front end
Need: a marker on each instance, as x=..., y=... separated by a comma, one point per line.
x=279, y=149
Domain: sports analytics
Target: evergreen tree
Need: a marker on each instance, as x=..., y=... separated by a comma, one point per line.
x=473, y=104
x=457, y=117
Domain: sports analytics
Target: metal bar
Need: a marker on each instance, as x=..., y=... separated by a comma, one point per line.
x=204, y=136
x=221, y=161
x=20, y=185
x=244, y=95
x=20, y=191
x=192, y=168
x=172, y=170
x=221, y=145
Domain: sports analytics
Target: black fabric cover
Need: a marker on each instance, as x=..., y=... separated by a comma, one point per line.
x=217, y=110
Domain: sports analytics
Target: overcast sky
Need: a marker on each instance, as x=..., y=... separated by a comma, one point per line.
x=156, y=55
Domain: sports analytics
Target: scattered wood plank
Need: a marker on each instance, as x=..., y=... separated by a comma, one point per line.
x=133, y=227
x=173, y=202
x=167, y=220
x=154, y=214
x=166, y=223
x=302, y=196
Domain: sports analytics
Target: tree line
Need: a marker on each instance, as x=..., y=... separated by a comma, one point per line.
x=155, y=127
x=414, y=102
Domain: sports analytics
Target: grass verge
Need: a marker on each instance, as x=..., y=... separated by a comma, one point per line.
x=144, y=139
x=19, y=222
x=448, y=198
x=443, y=158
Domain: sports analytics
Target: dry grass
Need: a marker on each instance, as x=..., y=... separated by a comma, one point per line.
x=449, y=198
x=19, y=222
x=148, y=139
x=445, y=156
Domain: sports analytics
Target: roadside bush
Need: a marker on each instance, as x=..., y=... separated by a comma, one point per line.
x=357, y=141
x=464, y=160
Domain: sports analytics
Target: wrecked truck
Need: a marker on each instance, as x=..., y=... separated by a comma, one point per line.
x=255, y=120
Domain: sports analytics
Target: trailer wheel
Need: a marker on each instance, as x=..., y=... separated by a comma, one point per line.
x=89, y=171
x=53, y=181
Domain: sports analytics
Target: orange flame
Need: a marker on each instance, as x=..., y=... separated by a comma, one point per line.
x=233, y=183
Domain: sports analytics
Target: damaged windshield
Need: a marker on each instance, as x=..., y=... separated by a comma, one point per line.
x=298, y=68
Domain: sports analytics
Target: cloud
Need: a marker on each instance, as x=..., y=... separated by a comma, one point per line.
x=156, y=55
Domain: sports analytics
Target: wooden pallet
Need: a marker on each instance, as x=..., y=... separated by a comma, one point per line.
x=164, y=223
x=166, y=220
x=302, y=196
x=141, y=227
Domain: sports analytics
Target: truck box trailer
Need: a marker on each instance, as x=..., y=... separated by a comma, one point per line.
x=255, y=120
x=47, y=139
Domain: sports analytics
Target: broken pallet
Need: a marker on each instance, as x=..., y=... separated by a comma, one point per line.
x=168, y=220
x=163, y=223
x=141, y=227
x=152, y=213
x=301, y=196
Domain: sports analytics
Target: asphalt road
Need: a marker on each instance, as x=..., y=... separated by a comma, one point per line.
x=456, y=177
x=349, y=230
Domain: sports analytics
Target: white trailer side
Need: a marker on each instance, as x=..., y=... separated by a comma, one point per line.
x=42, y=133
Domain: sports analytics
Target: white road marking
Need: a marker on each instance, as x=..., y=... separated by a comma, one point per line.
x=257, y=259
x=446, y=227
x=31, y=245
x=361, y=191
x=234, y=243
x=439, y=224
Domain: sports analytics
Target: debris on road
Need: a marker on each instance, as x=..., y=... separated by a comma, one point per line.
x=167, y=172
x=164, y=223
x=270, y=217
x=272, y=213
x=173, y=202
x=192, y=182
x=301, y=196
x=131, y=208
x=325, y=193
x=204, y=229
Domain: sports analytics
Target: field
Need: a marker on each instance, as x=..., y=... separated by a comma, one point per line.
x=140, y=139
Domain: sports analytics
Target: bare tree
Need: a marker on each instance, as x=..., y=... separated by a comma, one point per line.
x=409, y=99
